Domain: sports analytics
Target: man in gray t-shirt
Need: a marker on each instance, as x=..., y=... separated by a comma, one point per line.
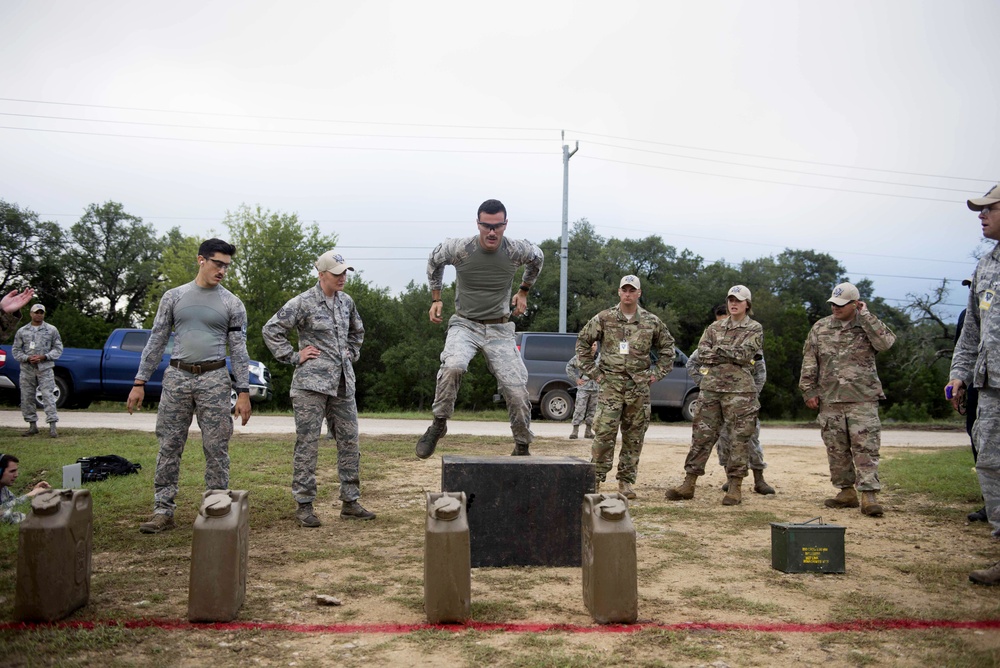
x=485, y=266
x=204, y=317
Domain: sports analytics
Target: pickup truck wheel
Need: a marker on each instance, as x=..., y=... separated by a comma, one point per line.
x=232, y=400
x=557, y=405
x=687, y=410
x=61, y=392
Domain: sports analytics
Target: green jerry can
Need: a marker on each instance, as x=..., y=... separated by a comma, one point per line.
x=806, y=547
x=610, y=585
x=219, y=549
x=447, y=559
x=53, y=556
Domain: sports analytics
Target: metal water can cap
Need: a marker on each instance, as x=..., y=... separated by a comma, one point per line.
x=216, y=505
x=612, y=509
x=446, y=508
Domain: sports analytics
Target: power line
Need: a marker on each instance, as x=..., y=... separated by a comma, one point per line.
x=780, y=183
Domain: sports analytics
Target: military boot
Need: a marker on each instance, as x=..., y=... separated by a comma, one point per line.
x=685, y=490
x=734, y=495
x=158, y=524
x=625, y=489
x=52, y=430
x=429, y=441
x=759, y=484
x=32, y=429
x=575, y=433
x=589, y=433
x=987, y=576
x=352, y=510
x=306, y=517
x=869, y=505
x=978, y=516
x=846, y=498
x=520, y=450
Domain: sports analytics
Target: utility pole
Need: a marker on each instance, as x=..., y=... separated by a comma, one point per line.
x=564, y=248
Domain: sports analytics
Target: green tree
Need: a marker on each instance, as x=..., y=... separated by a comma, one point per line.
x=178, y=265
x=274, y=261
x=112, y=260
x=31, y=254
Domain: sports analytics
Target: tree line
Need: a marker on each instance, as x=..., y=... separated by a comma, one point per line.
x=110, y=269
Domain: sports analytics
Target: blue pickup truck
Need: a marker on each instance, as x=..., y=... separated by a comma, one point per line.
x=84, y=375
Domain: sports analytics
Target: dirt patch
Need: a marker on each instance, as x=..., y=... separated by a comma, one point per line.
x=699, y=562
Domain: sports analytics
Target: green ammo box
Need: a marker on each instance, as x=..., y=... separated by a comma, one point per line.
x=807, y=547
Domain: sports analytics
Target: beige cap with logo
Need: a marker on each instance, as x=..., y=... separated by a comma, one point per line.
x=992, y=197
x=37, y=307
x=844, y=293
x=630, y=280
x=333, y=262
x=741, y=292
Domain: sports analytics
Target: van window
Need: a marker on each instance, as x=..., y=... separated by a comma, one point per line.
x=549, y=348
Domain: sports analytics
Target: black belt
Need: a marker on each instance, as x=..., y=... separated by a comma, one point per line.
x=493, y=321
x=198, y=367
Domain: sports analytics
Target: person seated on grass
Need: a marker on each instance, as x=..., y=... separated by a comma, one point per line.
x=8, y=502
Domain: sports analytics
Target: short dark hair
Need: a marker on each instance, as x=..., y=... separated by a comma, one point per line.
x=719, y=309
x=5, y=461
x=210, y=247
x=492, y=206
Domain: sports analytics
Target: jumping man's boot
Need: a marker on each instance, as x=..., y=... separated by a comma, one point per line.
x=734, y=495
x=759, y=484
x=846, y=498
x=869, y=505
x=685, y=490
x=429, y=441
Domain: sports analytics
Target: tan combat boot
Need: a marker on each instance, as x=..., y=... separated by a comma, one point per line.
x=987, y=576
x=575, y=433
x=734, y=495
x=846, y=498
x=589, y=433
x=869, y=505
x=685, y=490
x=759, y=484
x=625, y=489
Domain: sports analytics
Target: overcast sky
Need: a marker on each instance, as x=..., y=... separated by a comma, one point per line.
x=734, y=129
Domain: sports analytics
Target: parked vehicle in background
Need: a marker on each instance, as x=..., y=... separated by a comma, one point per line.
x=545, y=355
x=83, y=375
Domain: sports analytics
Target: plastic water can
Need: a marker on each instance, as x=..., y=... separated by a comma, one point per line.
x=447, y=559
x=53, y=556
x=219, y=556
x=610, y=587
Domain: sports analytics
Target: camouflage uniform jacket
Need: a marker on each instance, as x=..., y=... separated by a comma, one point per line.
x=976, y=361
x=838, y=359
x=457, y=252
x=337, y=332
x=163, y=325
x=8, y=321
x=41, y=340
x=9, y=514
x=574, y=373
x=759, y=370
x=726, y=352
x=645, y=334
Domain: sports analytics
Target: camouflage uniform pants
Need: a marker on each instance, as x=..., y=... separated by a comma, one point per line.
x=465, y=339
x=184, y=396
x=735, y=412
x=586, y=406
x=986, y=433
x=341, y=413
x=755, y=452
x=625, y=404
x=32, y=378
x=852, y=434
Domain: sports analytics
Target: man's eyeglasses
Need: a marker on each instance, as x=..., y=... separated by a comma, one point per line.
x=988, y=208
x=224, y=266
x=492, y=227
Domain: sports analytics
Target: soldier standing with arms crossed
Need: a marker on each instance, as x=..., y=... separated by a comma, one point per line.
x=204, y=317
x=627, y=335
x=976, y=363
x=37, y=346
x=840, y=379
x=330, y=334
x=485, y=266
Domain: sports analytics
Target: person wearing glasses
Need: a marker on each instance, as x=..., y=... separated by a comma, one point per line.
x=330, y=334
x=485, y=266
x=840, y=379
x=976, y=364
x=204, y=317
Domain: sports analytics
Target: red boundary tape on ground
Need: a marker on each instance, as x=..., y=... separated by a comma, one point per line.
x=827, y=627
